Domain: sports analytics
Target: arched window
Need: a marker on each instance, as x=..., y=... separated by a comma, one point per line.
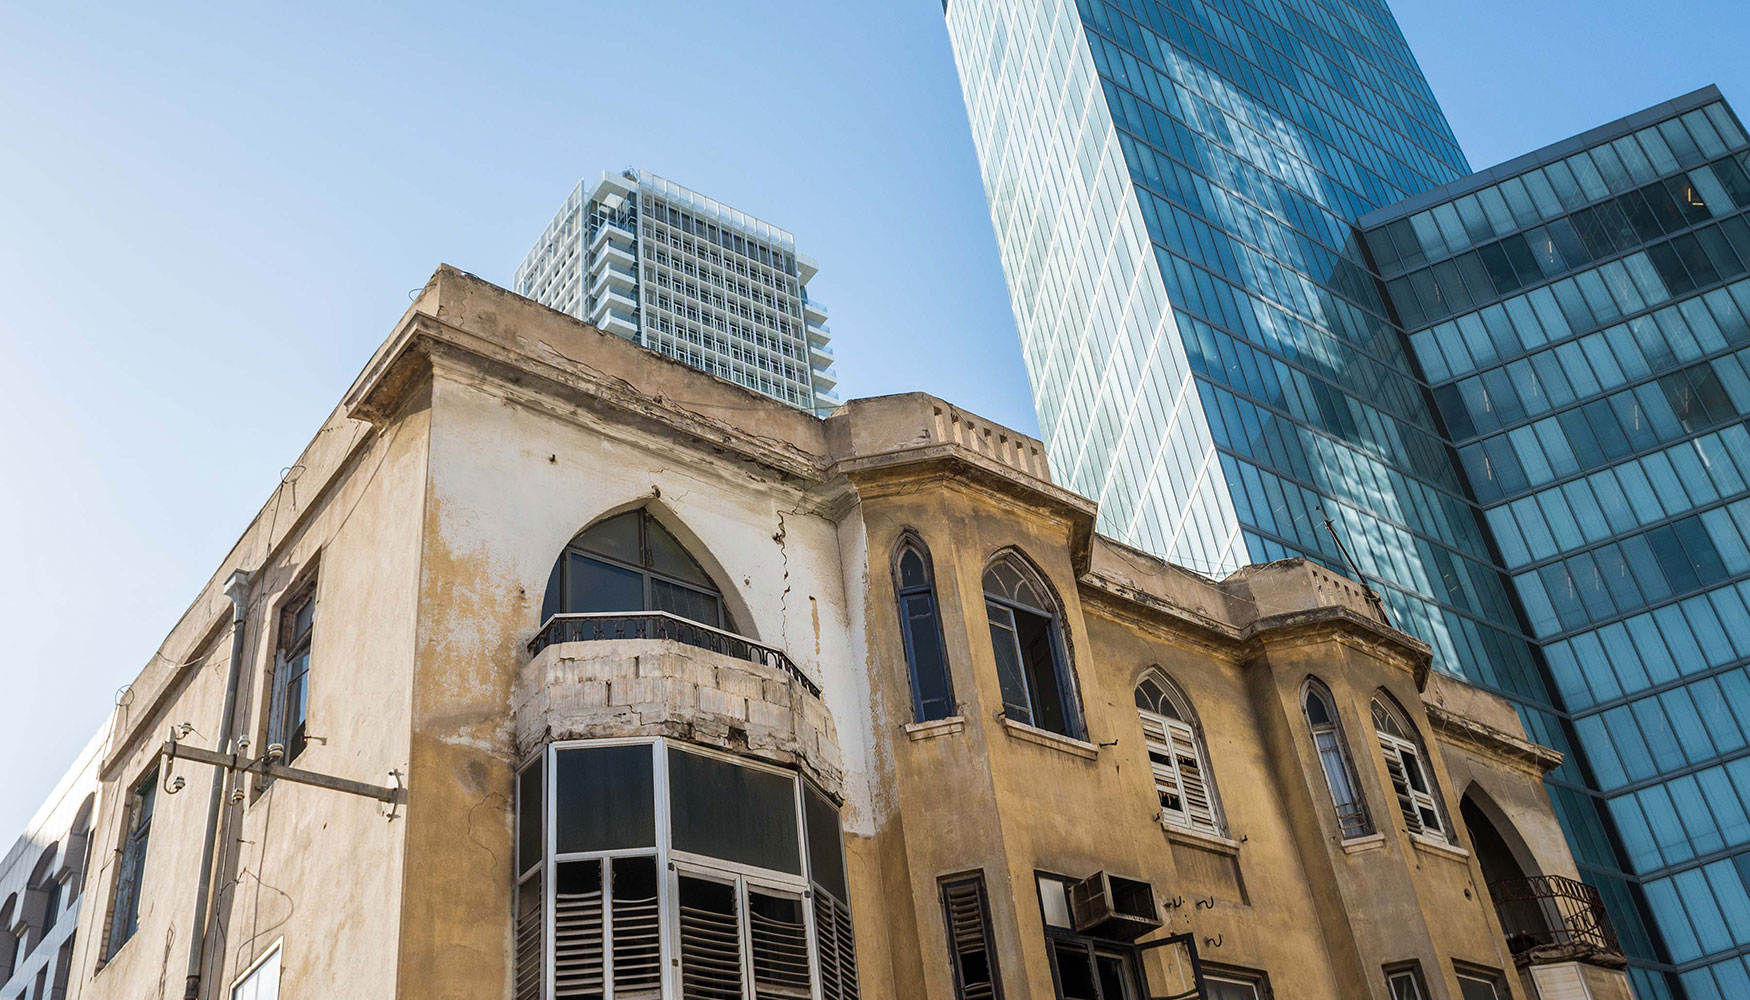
x=1411, y=779
x=630, y=562
x=1032, y=669
x=932, y=692
x=1327, y=737
x=1177, y=756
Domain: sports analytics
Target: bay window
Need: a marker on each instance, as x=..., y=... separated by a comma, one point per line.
x=650, y=869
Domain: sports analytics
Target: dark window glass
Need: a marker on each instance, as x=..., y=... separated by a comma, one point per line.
x=696, y=605
x=1738, y=234
x=1075, y=971
x=630, y=562
x=921, y=631
x=1615, y=225
x=1385, y=256
x=1476, y=277
x=1404, y=298
x=826, y=846
x=1635, y=209
x=604, y=799
x=1719, y=252
x=1593, y=235
x=530, y=821
x=1031, y=667
x=670, y=558
x=1434, y=305
x=1452, y=290
x=1409, y=248
x=1670, y=268
x=735, y=813
x=131, y=866
x=1688, y=201
x=1673, y=561
x=1499, y=268
x=1711, y=394
x=1524, y=261
x=616, y=538
x=596, y=586
x=1663, y=206
x=1704, y=557
x=1605, y=428
x=1695, y=260
x=1734, y=180
x=1568, y=242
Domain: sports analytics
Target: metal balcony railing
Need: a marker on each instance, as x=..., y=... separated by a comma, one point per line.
x=662, y=625
x=1553, y=912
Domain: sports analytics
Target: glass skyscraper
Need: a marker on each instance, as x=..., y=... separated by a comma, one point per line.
x=1583, y=316
x=1179, y=190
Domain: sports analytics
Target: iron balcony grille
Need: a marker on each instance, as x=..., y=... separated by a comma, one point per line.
x=1552, y=912
x=662, y=625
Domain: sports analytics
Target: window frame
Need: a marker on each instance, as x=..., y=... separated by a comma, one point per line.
x=910, y=543
x=274, y=951
x=1182, y=731
x=1336, y=754
x=1410, y=970
x=1063, y=669
x=1493, y=978
x=291, y=644
x=648, y=575
x=1406, y=751
x=672, y=863
x=976, y=881
x=136, y=830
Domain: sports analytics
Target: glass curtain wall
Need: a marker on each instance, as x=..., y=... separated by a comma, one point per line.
x=1584, y=321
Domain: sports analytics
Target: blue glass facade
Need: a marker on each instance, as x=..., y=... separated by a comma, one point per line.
x=1257, y=286
x=1582, y=315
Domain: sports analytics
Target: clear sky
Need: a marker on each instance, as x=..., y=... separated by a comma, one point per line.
x=211, y=214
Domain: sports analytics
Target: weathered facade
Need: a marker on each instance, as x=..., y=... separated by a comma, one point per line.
x=670, y=690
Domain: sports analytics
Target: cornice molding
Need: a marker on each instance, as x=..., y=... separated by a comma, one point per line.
x=1498, y=745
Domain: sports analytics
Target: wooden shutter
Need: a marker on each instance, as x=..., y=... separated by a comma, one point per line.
x=835, y=947
x=969, y=940
x=710, y=927
x=777, y=929
x=1409, y=782
x=1180, y=774
x=578, y=969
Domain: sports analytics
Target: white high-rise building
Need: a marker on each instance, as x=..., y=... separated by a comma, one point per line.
x=688, y=276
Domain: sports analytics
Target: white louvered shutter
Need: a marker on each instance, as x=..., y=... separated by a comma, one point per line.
x=710, y=926
x=1180, y=774
x=1411, y=785
x=835, y=947
x=577, y=932
x=778, y=945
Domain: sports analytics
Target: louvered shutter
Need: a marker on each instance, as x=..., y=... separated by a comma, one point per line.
x=530, y=950
x=577, y=931
x=975, y=966
x=710, y=941
x=1193, y=776
x=637, y=930
x=778, y=947
x=1400, y=782
x=1164, y=768
x=836, y=948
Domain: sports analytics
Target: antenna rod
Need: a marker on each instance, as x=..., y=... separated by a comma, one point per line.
x=1367, y=591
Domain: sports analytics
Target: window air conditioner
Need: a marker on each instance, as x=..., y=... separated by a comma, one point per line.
x=1112, y=906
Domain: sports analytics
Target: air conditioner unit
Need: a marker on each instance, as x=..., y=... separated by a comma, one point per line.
x=1112, y=906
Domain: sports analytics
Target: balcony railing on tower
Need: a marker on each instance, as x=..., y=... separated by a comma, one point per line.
x=1552, y=918
x=662, y=625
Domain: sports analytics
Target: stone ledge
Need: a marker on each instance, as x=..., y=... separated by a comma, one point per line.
x=1050, y=740
x=1360, y=845
x=1439, y=848
x=920, y=731
x=1213, y=843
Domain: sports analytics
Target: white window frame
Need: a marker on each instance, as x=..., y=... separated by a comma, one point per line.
x=672, y=864
x=1178, y=742
x=274, y=953
x=1400, y=757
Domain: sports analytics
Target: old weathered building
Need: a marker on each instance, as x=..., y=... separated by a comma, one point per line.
x=642, y=685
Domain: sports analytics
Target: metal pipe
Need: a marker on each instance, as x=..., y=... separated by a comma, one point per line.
x=237, y=589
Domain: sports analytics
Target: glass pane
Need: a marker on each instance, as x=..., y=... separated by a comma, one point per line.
x=1039, y=661
x=924, y=648
x=1117, y=978
x=911, y=570
x=637, y=926
x=670, y=558
x=1008, y=655
x=616, y=538
x=1477, y=989
x=1075, y=972
x=604, y=799
x=595, y=586
x=1316, y=712
x=723, y=810
x=693, y=605
x=826, y=846
x=530, y=817
x=1228, y=989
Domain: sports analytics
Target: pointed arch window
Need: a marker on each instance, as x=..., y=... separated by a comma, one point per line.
x=1333, y=751
x=630, y=562
x=1411, y=779
x=1176, y=756
x=932, y=691
x=1026, y=634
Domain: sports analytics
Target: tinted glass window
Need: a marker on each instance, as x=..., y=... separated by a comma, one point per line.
x=826, y=848
x=604, y=799
x=530, y=819
x=736, y=813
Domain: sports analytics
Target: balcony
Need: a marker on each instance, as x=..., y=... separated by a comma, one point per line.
x=1549, y=918
x=650, y=673
x=662, y=625
x=814, y=310
x=622, y=236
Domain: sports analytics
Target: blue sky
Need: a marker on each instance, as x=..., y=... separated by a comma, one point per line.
x=213, y=213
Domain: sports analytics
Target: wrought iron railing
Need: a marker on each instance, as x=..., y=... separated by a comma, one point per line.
x=662, y=625
x=1550, y=911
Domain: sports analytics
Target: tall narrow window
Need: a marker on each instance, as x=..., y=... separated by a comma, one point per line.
x=262, y=981
x=932, y=693
x=289, y=714
x=1327, y=737
x=1176, y=756
x=1025, y=632
x=971, y=945
x=630, y=562
x=131, y=867
x=1412, y=782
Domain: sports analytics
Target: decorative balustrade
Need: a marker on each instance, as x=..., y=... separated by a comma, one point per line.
x=1550, y=912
